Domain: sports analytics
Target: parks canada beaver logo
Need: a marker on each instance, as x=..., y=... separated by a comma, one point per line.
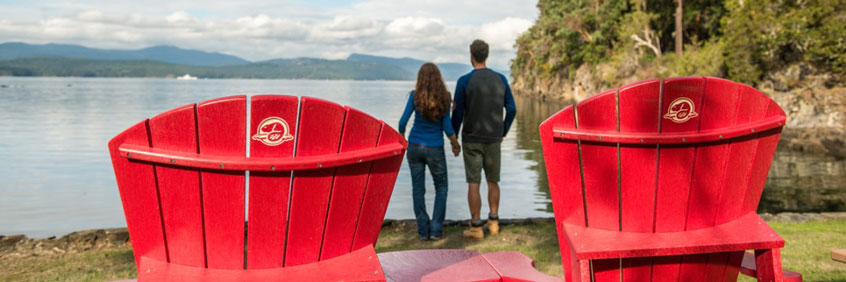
x=273, y=131
x=681, y=110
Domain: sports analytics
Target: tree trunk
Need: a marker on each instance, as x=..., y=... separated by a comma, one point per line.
x=679, y=28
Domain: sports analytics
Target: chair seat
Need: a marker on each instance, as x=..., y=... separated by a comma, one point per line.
x=459, y=265
x=359, y=265
x=744, y=233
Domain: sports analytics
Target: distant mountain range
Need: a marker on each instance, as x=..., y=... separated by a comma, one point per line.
x=21, y=59
x=163, y=53
x=450, y=71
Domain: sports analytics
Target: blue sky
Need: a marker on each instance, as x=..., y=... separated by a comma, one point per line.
x=434, y=30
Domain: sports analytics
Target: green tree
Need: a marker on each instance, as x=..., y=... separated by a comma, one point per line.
x=763, y=36
x=567, y=34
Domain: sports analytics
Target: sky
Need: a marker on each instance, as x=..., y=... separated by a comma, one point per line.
x=431, y=30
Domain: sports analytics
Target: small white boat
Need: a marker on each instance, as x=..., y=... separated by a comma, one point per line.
x=186, y=77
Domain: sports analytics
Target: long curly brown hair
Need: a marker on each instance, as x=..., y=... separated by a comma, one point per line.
x=431, y=97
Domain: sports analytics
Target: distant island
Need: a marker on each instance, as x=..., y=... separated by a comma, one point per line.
x=21, y=59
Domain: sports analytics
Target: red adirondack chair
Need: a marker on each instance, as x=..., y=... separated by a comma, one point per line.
x=319, y=183
x=660, y=180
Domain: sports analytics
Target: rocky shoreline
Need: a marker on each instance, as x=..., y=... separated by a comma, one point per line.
x=17, y=246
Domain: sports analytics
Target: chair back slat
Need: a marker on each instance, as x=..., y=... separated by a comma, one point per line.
x=717, y=110
x=221, y=128
x=639, y=113
x=360, y=132
x=767, y=143
x=320, y=127
x=564, y=174
x=380, y=185
x=675, y=163
x=179, y=187
x=741, y=153
x=599, y=161
x=139, y=196
x=600, y=174
x=269, y=191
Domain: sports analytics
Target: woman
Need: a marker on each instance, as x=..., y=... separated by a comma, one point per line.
x=430, y=101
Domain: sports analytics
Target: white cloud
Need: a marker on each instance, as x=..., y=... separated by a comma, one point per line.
x=178, y=17
x=467, y=12
x=415, y=26
x=344, y=29
x=437, y=30
x=501, y=35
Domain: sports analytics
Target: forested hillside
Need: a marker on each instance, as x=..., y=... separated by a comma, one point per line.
x=792, y=50
x=597, y=44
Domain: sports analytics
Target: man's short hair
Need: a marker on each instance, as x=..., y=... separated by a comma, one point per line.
x=479, y=50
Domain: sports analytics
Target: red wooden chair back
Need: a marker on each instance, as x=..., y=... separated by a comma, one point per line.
x=661, y=156
x=320, y=177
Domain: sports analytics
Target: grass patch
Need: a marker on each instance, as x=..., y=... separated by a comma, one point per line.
x=807, y=251
x=807, y=248
x=99, y=265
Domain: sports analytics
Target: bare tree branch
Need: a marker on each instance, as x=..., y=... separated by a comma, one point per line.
x=648, y=34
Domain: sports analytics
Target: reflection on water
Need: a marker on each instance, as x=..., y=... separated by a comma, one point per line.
x=56, y=175
x=797, y=182
x=530, y=113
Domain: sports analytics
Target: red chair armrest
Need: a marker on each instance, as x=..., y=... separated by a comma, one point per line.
x=745, y=233
x=736, y=131
x=360, y=265
x=194, y=160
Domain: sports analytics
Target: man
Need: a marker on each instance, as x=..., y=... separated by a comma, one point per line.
x=480, y=97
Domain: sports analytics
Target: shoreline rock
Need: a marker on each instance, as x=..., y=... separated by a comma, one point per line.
x=16, y=246
x=74, y=242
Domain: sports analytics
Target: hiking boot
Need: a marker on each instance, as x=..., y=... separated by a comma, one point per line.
x=493, y=223
x=475, y=232
x=493, y=226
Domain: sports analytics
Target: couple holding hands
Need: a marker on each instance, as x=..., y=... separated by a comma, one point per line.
x=480, y=97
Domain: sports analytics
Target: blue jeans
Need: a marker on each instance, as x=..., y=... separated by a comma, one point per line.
x=418, y=158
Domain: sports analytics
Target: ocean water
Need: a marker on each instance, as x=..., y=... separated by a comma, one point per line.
x=56, y=175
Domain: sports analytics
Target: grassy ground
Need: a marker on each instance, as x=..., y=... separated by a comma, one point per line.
x=100, y=265
x=808, y=247
x=807, y=251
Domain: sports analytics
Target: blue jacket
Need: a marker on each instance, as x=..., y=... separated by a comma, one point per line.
x=480, y=97
x=425, y=132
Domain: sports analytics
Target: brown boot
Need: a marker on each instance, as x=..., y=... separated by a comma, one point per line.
x=475, y=232
x=493, y=223
x=493, y=226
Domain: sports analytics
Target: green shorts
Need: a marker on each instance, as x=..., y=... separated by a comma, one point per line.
x=482, y=155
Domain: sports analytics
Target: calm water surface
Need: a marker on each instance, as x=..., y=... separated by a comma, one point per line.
x=57, y=178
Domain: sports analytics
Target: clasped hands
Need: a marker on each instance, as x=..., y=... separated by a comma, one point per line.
x=456, y=148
